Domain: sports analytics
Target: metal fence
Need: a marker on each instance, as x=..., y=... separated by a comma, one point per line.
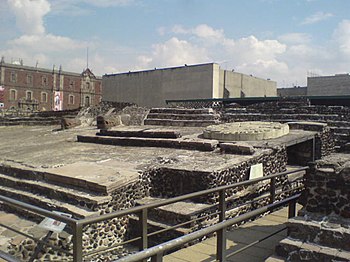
x=157, y=252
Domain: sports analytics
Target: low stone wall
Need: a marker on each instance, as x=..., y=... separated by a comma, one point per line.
x=165, y=182
x=328, y=190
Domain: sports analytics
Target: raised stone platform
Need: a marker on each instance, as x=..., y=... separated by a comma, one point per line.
x=246, y=131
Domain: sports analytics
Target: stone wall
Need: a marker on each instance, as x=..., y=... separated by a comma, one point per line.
x=165, y=182
x=328, y=190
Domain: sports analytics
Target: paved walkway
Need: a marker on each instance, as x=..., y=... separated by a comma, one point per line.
x=236, y=239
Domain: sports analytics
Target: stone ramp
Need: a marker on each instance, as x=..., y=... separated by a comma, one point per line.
x=182, y=117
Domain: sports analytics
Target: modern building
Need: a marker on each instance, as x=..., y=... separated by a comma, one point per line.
x=337, y=85
x=292, y=91
x=151, y=88
x=38, y=89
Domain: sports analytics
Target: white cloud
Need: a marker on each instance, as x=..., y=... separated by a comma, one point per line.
x=342, y=37
x=315, y=18
x=29, y=15
x=201, y=31
x=47, y=43
x=81, y=7
x=295, y=38
x=174, y=52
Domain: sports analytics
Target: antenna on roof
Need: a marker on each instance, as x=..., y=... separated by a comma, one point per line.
x=87, y=57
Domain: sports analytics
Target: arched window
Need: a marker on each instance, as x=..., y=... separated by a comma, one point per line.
x=71, y=99
x=43, y=97
x=87, y=101
x=13, y=94
x=29, y=95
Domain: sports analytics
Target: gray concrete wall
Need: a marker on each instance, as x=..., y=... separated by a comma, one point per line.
x=238, y=84
x=292, y=91
x=336, y=85
x=151, y=88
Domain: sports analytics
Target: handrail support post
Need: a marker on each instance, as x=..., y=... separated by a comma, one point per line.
x=221, y=234
x=78, y=242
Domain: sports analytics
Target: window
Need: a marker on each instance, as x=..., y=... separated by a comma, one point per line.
x=13, y=77
x=71, y=100
x=29, y=95
x=71, y=84
x=87, y=85
x=13, y=94
x=44, y=80
x=29, y=79
x=87, y=101
x=43, y=97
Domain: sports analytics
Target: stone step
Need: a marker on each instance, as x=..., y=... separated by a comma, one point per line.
x=183, y=116
x=197, y=144
x=338, y=123
x=341, y=130
x=275, y=258
x=154, y=226
x=277, y=115
x=175, y=213
x=30, y=123
x=50, y=176
x=71, y=196
x=166, y=122
x=322, y=233
x=295, y=250
x=140, y=133
x=46, y=203
x=182, y=110
x=342, y=137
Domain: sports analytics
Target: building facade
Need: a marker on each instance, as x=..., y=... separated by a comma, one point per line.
x=38, y=89
x=151, y=88
x=337, y=85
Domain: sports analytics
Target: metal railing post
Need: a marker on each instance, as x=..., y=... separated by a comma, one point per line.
x=292, y=207
x=143, y=229
x=272, y=190
x=77, y=242
x=221, y=234
x=157, y=258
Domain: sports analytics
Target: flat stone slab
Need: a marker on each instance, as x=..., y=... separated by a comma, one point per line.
x=151, y=133
x=182, y=208
x=103, y=176
x=191, y=144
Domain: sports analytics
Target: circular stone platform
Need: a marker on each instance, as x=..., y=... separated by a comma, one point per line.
x=246, y=131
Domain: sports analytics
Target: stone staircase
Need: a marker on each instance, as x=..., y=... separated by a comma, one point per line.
x=143, y=137
x=166, y=217
x=336, y=117
x=48, y=192
x=311, y=240
x=182, y=117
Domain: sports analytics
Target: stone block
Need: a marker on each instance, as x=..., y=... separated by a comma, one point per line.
x=68, y=123
x=237, y=148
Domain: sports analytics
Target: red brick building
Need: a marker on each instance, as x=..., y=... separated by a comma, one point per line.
x=38, y=89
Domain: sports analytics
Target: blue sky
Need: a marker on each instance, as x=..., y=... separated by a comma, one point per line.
x=284, y=40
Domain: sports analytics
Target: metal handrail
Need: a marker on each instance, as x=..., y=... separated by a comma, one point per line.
x=157, y=251
x=160, y=203
x=77, y=225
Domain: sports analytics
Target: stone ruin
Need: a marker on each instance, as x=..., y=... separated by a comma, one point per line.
x=296, y=143
x=321, y=231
